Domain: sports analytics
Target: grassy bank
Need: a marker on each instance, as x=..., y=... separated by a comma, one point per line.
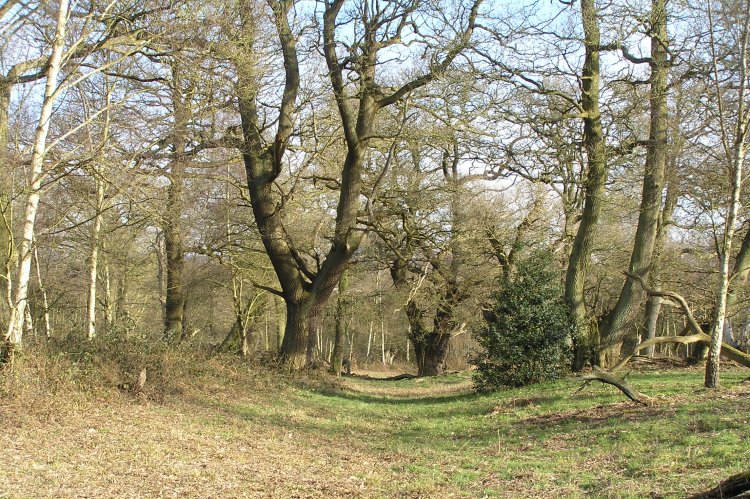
x=223, y=428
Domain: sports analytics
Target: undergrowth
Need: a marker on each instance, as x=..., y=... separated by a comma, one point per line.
x=74, y=368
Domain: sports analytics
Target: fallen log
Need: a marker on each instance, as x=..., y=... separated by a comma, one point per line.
x=598, y=375
x=735, y=486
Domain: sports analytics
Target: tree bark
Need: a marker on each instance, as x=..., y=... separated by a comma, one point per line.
x=735, y=162
x=45, y=300
x=299, y=322
x=593, y=138
x=430, y=346
x=14, y=333
x=280, y=321
x=314, y=342
x=94, y=260
x=122, y=315
x=653, y=182
x=173, y=244
x=7, y=245
x=231, y=341
x=621, y=384
x=337, y=357
x=108, y=303
x=653, y=304
x=174, y=304
x=431, y=351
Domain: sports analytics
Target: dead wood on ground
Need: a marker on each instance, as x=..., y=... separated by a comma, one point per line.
x=598, y=375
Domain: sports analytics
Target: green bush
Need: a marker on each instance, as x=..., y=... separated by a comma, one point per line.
x=528, y=329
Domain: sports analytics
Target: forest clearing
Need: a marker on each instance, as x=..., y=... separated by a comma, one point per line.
x=234, y=430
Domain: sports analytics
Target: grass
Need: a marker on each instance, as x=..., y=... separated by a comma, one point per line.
x=223, y=428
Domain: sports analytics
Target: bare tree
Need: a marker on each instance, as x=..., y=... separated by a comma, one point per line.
x=306, y=284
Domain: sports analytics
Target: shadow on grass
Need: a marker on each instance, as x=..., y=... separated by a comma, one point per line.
x=365, y=377
x=468, y=396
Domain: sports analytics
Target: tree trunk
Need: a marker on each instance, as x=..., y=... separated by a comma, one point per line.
x=741, y=270
x=174, y=326
x=45, y=300
x=7, y=245
x=94, y=261
x=231, y=341
x=430, y=347
x=108, y=305
x=173, y=304
x=735, y=486
x=735, y=162
x=122, y=315
x=313, y=333
x=653, y=305
x=369, y=342
x=653, y=180
x=337, y=357
x=14, y=333
x=294, y=346
x=653, y=308
x=245, y=340
x=431, y=351
x=621, y=384
x=280, y=321
x=236, y=340
x=382, y=343
x=717, y=331
x=593, y=137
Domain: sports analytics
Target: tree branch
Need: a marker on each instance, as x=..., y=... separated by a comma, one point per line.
x=423, y=80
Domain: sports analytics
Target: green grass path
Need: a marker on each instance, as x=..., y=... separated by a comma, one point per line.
x=250, y=436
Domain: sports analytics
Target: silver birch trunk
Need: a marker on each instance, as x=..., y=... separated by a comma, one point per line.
x=736, y=163
x=408, y=345
x=369, y=343
x=109, y=304
x=717, y=332
x=14, y=334
x=94, y=261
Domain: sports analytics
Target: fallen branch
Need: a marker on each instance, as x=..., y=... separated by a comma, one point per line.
x=734, y=486
x=607, y=378
x=698, y=336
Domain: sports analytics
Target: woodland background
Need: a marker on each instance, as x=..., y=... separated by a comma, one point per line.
x=355, y=179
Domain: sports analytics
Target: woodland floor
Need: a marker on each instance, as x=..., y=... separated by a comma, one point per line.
x=236, y=431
